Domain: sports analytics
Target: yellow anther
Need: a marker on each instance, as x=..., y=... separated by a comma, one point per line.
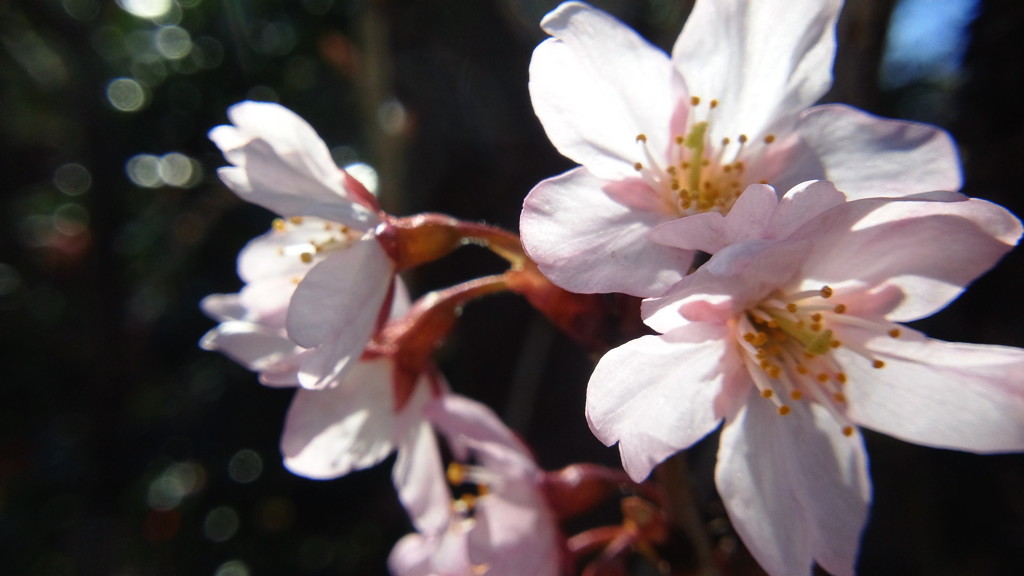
x=895, y=332
x=826, y=292
x=743, y=138
x=801, y=369
x=769, y=139
x=680, y=140
x=456, y=474
x=848, y=431
x=638, y=167
x=279, y=225
x=641, y=138
x=306, y=257
x=816, y=317
x=841, y=378
x=822, y=377
x=796, y=395
x=835, y=344
x=695, y=100
x=783, y=410
x=713, y=103
x=295, y=220
x=839, y=309
x=725, y=141
x=748, y=337
x=465, y=503
x=791, y=307
x=878, y=364
x=767, y=393
x=840, y=397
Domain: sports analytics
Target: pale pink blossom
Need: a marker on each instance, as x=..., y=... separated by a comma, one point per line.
x=501, y=524
x=322, y=253
x=352, y=424
x=789, y=334
x=660, y=137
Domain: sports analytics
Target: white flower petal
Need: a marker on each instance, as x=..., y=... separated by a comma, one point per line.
x=763, y=61
x=597, y=85
x=587, y=237
x=420, y=480
x=336, y=309
x=251, y=345
x=930, y=249
x=657, y=395
x=796, y=489
x=934, y=393
x=281, y=164
x=329, y=433
x=868, y=156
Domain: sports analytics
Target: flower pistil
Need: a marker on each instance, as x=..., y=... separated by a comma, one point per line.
x=700, y=175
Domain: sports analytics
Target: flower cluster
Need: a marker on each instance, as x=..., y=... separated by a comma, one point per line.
x=820, y=230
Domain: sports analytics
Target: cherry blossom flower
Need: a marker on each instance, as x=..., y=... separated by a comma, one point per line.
x=659, y=137
x=790, y=334
x=354, y=423
x=322, y=252
x=500, y=524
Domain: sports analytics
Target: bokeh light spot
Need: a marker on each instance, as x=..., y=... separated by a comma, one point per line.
x=81, y=9
x=221, y=524
x=126, y=94
x=207, y=52
x=72, y=179
x=146, y=8
x=232, y=568
x=70, y=219
x=144, y=170
x=173, y=42
x=392, y=117
x=177, y=169
x=245, y=466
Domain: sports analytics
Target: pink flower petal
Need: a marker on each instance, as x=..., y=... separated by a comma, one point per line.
x=589, y=242
x=251, y=345
x=942, y=246
x=419, y=477
x=934, y=393
x=281, y=164
x=657, y=395
x=336, y=308
x=461, y=419
x=597, y=85
x=868, y=156
x=763, y=61
x=329, y=433
x=796, y=489
x=801, y=204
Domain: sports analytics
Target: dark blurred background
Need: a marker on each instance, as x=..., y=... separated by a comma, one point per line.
x=125, y=450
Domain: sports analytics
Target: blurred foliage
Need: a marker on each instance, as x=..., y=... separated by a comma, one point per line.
x=126, y=450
